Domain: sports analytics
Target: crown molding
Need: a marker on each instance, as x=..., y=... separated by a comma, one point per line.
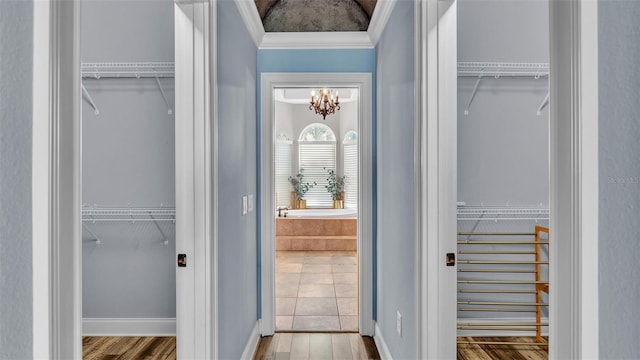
x=252, y=21
x=317, y=40
x=379, y=20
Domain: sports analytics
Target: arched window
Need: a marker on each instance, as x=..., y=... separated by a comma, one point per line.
x=316, y=155
x=350, y=164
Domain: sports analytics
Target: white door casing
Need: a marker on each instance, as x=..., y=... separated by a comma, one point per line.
x=196, y=185
x=362, y=81
x=436, y=176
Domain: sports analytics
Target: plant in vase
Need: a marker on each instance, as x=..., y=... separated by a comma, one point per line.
x=335, y=187
x=300, y=188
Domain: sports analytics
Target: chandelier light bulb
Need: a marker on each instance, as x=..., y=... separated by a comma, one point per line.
x=325, y=103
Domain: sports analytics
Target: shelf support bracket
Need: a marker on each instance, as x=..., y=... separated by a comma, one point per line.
x=544, y=104
x=164, y=96
x=164, y=237
x=473, y=94
x=96, y=238
x=89, y=99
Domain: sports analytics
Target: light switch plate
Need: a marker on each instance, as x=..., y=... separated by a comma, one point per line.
x=250, y=206
x=244, y=205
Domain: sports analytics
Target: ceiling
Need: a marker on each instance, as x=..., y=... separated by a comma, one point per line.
x=315, y=15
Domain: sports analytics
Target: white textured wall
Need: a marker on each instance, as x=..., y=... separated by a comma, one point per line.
x=619, y=240
x=16, y=61
x=396, y=235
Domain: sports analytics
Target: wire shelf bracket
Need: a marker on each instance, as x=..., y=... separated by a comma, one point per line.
x=544, y=104
x=89, y=99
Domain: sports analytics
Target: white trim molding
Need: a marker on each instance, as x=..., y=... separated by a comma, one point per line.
x=317, y=40
x=435, y=163
x=57, y=292
x=251, y=18
x=574, y=180
x=252, y=343
x=381, y=344
x=362, y=81
x=196, y=184
x=379, y=19
x=129, y=327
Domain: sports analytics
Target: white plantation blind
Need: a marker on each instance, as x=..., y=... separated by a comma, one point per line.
x=316, y=157
x=283, y=171
x=351, y=171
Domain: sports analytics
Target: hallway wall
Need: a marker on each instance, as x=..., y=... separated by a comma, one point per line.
x=16, y=65
x=320, y=60
x=619, y=249
x=396, y=221
x=237, y=139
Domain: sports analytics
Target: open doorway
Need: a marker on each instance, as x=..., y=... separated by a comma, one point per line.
x=128, y=179
x=503, y=180
x=316, y=202
x=343, y=276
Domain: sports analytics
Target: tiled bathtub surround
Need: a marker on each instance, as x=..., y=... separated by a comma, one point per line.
x=316, y=290
x=317, y=234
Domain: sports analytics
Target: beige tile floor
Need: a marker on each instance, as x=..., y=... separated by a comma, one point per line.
x=316, y=290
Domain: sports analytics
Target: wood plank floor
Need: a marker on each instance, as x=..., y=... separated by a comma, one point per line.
x=500, y=352
x=128, y=347
x=303, y=346
x=294, y=346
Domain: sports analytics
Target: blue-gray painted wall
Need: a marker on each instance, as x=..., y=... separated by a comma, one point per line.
x=128, y=159
x=16, y=62
x=396, y=221
x=619, y=137
x=316, y=60
x=237, y=248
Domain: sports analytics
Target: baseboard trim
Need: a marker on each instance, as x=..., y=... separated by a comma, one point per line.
x=252, y=344
x=498, y=333
x=129, y=327
x=383, y=349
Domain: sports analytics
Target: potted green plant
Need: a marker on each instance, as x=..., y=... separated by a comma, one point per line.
x=300, y=188
x=335, y=187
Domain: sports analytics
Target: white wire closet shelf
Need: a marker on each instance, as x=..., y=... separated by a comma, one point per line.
x=124, y=70
x=503, y=69
x=100, y=70
x=487, y=213
x=132, y=214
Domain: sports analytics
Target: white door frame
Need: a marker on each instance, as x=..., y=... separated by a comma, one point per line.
x=196, y=179
x=56, y=184
x=362, y=81
x=573, y=174
x=435, y=149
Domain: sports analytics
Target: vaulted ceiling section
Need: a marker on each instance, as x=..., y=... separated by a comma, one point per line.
x=315, y=15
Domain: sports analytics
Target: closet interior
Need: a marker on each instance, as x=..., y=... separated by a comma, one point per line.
x=128, y=169
x=503, y=177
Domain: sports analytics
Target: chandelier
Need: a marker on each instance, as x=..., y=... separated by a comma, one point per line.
x=324, y=103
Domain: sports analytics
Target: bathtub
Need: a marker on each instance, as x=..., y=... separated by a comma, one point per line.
x=322, y=213
x=317, y=230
